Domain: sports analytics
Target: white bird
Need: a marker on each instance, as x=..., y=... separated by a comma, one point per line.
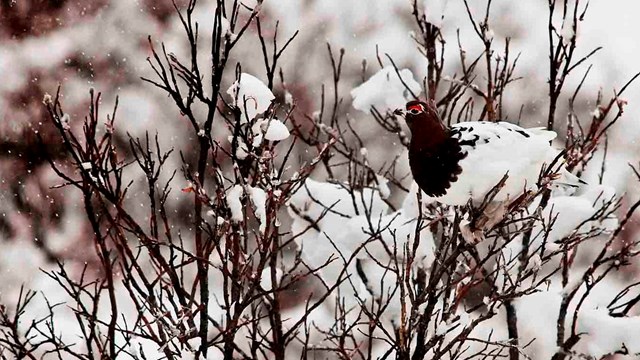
x=466, y=161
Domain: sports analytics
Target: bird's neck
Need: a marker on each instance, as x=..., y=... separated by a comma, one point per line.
x=428, y=134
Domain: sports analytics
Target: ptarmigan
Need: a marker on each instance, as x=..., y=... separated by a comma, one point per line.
x=464, y=162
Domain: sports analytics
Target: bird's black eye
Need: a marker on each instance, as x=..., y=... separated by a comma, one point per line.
x=414, y=111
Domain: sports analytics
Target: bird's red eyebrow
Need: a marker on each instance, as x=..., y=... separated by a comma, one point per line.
x=415, y=107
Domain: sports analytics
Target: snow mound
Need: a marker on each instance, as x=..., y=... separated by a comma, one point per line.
x=251, y=95
x=330, y=204
x=265, y=278
x=605, y=335
x=276, y=131
x=385, y=90
x=574, y=213
x=234, y=203
x=259, y=201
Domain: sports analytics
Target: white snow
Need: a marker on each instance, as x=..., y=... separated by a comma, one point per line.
x=256, y=130
x=434, y=11
x=225, y=28
x=320, y=320
x=330, y=206
x=242, y=151
x=385, y=90
x=489, y=34
x=601, y=334
x=567, y=32
x=276, y=130
x=288, y=98
x=259, y=201
x=47, y=99
x=345, y=223
x=65, y=121
x=331, y=203
x=575, y=282
x=383, y=186
x=250, y=94
x=265, y=278
x=604, y=334
x=233, y=202
x=570, y=212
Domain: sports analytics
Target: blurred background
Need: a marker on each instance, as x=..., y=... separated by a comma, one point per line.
x=103, y=45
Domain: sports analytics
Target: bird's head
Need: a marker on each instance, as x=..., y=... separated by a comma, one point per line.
x=418, y=113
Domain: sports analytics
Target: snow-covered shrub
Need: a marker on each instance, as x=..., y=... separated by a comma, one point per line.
x=266, y=219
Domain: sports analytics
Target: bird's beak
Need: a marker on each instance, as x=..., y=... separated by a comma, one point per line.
x=399, y=112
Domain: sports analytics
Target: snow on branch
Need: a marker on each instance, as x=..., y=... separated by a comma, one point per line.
x=251, y=96
x=386, y=90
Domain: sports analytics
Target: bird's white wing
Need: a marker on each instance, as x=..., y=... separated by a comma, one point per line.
x=483, y=135
x=493, y=150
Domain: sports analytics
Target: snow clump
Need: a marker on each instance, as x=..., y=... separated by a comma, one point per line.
x=385, y=90
x=250, y=95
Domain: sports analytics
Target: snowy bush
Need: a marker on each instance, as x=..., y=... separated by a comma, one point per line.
x=242, y=202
